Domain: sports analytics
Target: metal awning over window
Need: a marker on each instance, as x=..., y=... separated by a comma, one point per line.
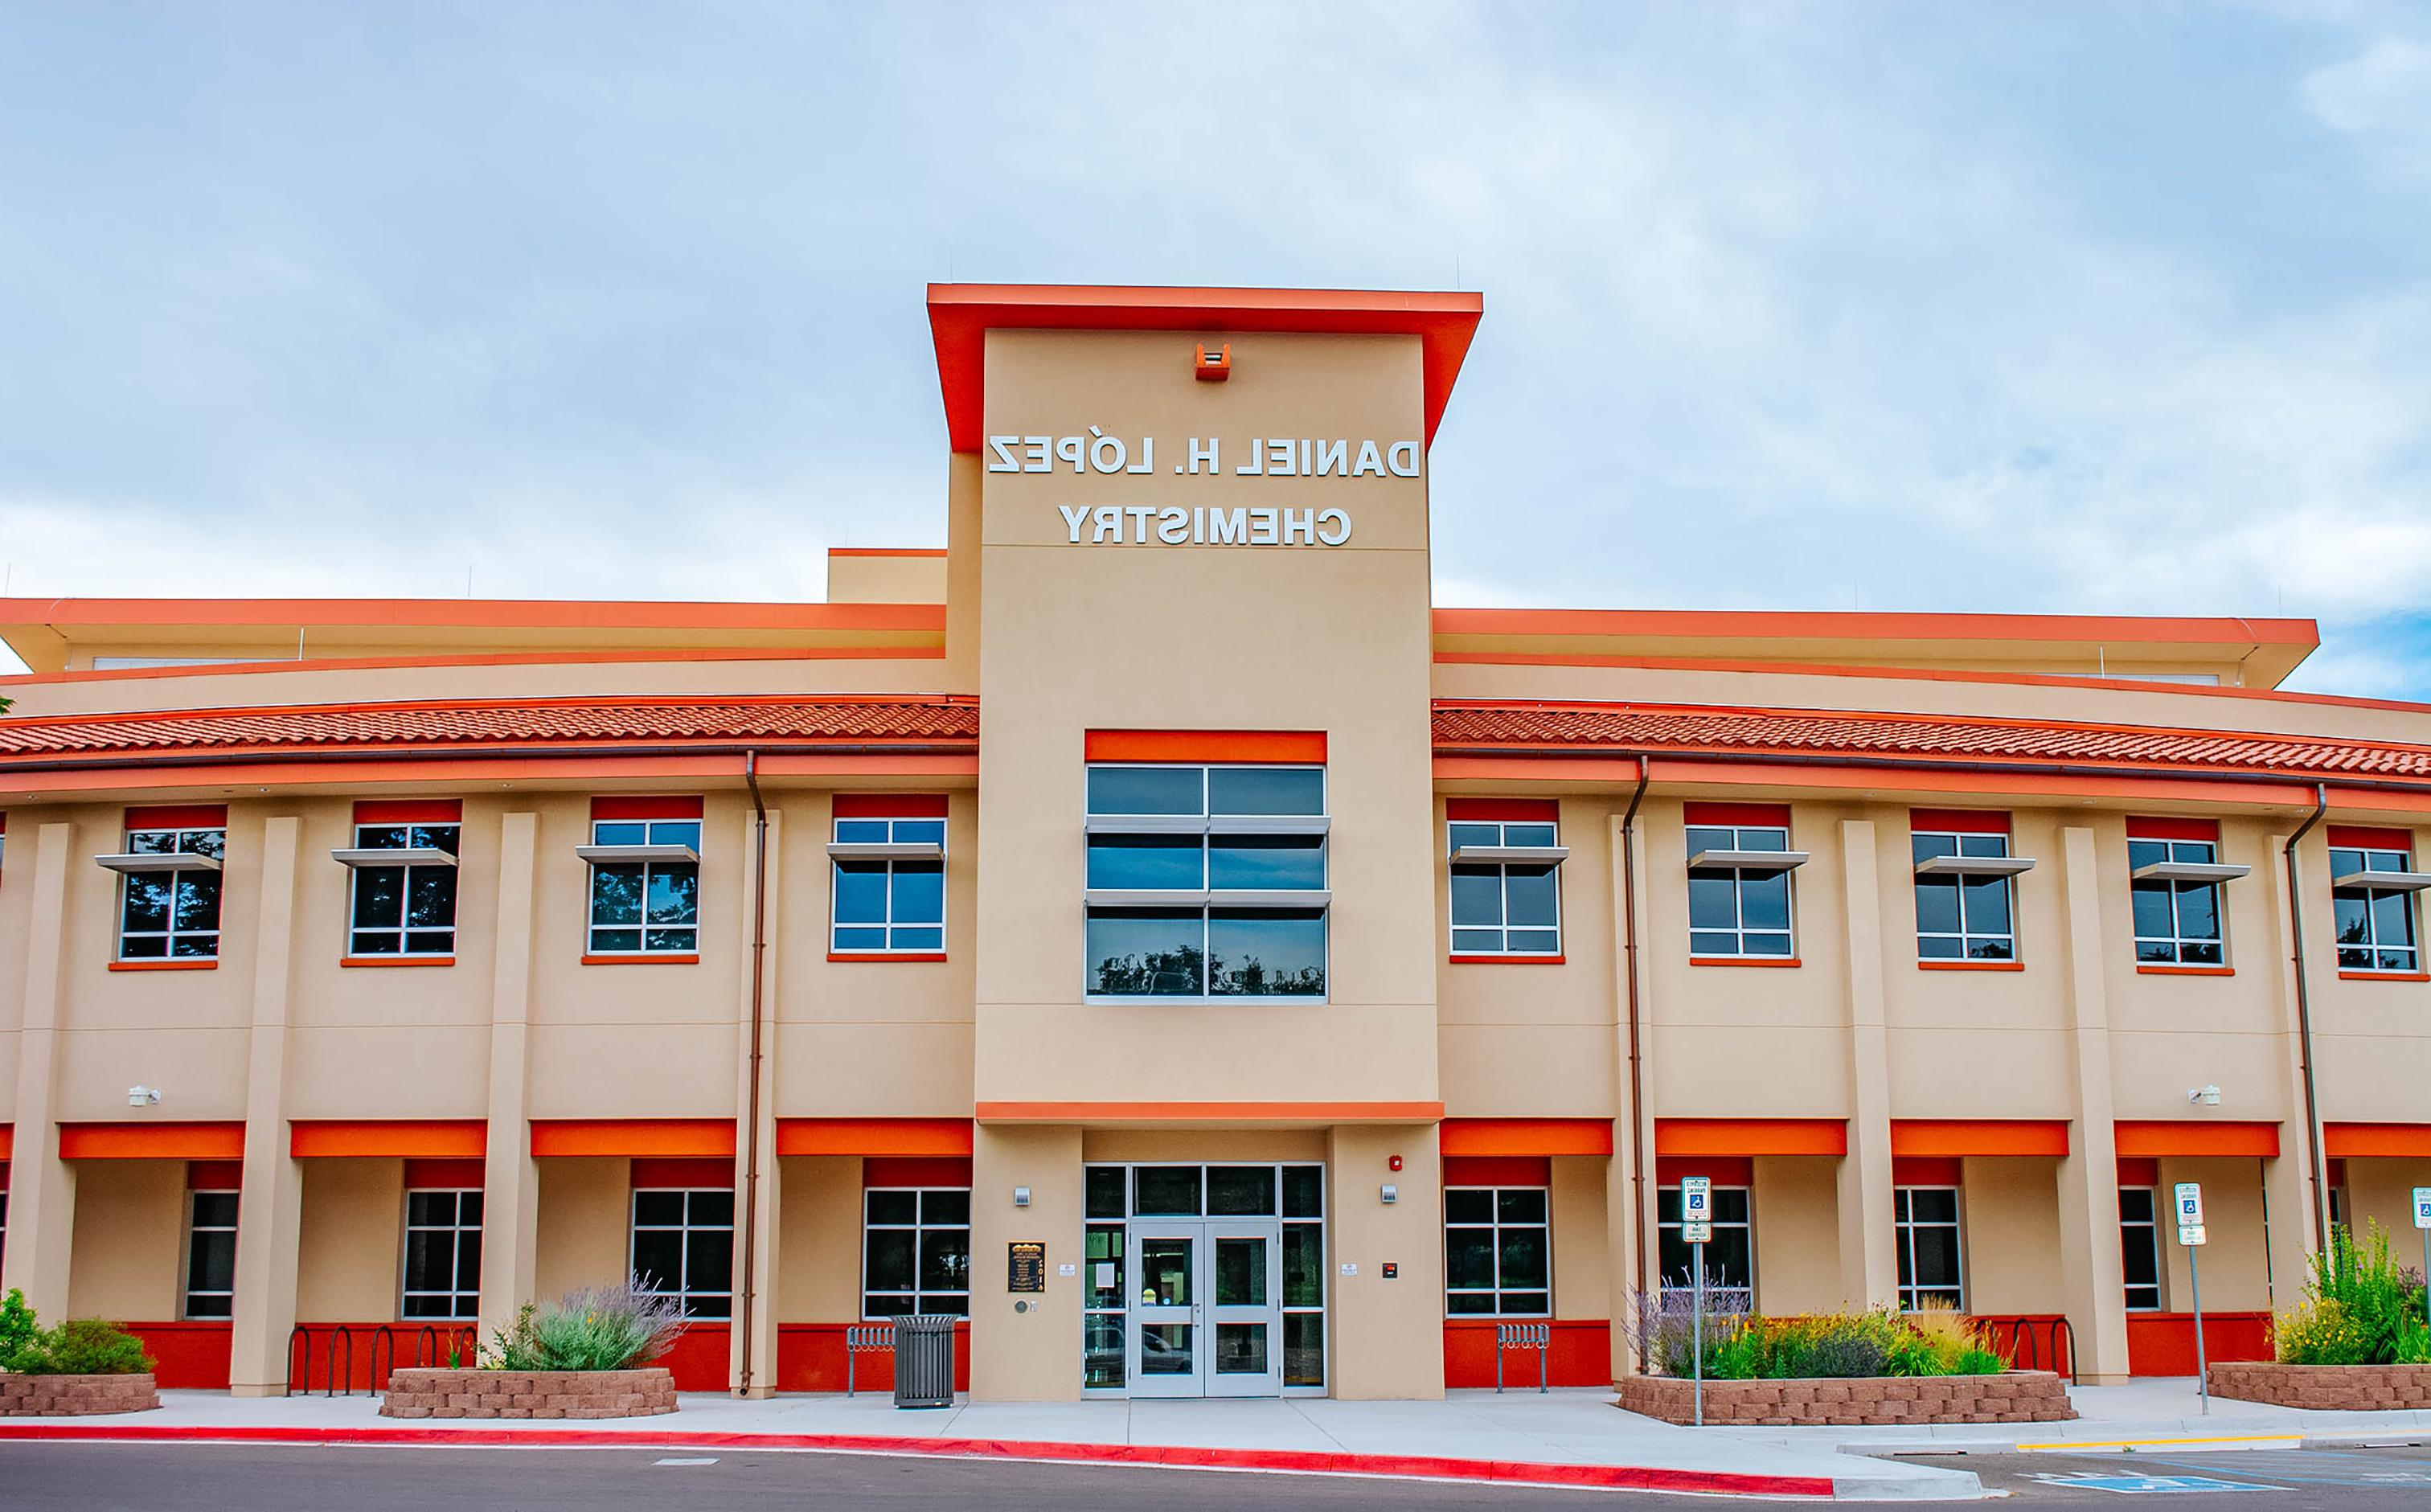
x=136, y=864
x=2390, y=881
x=395, y=856
x=1201, y=824
x=614, y=855
x=1510, y=855
x=1205, y=898
x=886, y=850
x=2189, y=871
x=1749, y=860
x=1973, y=866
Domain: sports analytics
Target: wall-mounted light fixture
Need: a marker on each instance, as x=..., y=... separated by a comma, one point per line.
x=1021, y=1196
x=2207, y=1095
x=1388, y=1194
x=1213, y=364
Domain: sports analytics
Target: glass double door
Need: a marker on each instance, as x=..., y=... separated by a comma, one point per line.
x=1207, y=1314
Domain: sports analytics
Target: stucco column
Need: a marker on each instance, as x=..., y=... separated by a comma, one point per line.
x=1869, y=1256
x=1388, y=1336
x=2091, y=1276
x=509, y=1177
x=2287, y=1188
x=766, y=1192
x=1623, y=1221
x=1026, y=1354
x=41, y=1196
x=270, y=1205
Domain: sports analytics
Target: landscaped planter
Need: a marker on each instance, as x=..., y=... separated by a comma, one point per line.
x=2324, y=1387
x=528, y=1393
x=2013, y=1396
x=74, y=1396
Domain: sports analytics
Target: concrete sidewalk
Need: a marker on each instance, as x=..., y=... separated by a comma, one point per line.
x=2156, y=1413
x=1575, y=1438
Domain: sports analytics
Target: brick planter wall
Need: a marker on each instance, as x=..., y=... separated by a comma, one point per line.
x=528, y=1393
x=2326, y=1388
x=74, y=1396
x=2013, y=1396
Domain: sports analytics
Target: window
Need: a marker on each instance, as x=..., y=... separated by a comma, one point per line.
x=442, y=1254
x=407, y=909
x=645, y=856
x=1927, y=1231
x=2139, y=1248
x=1740, y=907
x=2375, y=925
x=1510, y=905
x=1206, y=881
x=1729, y=1255
x=683, y=1247
x=166, y=911
x=1498, y=1251
x=889, y=857
x=915, y=1250
x=2178, y=918
x=1964, y=905
x=210, y=1255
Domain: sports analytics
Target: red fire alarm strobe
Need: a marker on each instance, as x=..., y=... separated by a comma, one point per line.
x=1214, y=363
x=1393, y=1162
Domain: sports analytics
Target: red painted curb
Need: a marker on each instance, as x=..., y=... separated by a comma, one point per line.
x=1611, y=1477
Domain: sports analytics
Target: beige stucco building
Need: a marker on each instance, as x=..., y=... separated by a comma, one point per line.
x=1150, y=927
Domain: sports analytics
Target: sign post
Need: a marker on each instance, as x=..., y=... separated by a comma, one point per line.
x=2190, y=1234
x=2422, y=1222
x=1697, y=1226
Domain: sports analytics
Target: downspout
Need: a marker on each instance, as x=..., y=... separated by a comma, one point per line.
x=1636, y=1079
x=759, y=991
x=2321, y=1203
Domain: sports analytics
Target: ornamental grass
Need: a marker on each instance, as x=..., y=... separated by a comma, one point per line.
x=1932, y=1340
x=2360, y=1307
x=595, y=1327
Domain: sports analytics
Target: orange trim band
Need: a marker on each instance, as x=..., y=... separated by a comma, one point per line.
x=1926, y=1138
x=1970, y=966
x=1507, y=960
x=1745, y=961
x=1527, y=1137
x=886, y=551
x=2348, y=1141
x=1294, y=1113
x=870, y=1138
x=2143, y=970
x=2185, y=1137
x=206, y=962
x=1268, y=746
x=152, y=1141
x=1751, y=1136
x=388, y=1138
x=639, y=958
x=2385, y=975
x=351, y=961
x=632, y=1136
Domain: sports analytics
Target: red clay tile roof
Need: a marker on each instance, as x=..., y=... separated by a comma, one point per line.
x=1895, y=738
x=523, y=728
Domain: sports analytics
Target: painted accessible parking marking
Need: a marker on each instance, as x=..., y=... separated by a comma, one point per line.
x=2140, y=1484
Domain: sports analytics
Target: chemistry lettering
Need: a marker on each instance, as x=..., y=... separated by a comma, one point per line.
x=1098, y=453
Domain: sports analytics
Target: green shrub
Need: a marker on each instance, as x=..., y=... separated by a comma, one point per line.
x=597, y=1328
x=1836, y=1346
x=2360, y=1307
x=17, y=1326
x=83, y=1345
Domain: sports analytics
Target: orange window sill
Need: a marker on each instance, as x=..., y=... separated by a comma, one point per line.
x=2184, y=971
x=210, y=964
x=396, y=960
x=1970, y=966
x=886, y=955
x=1744, y=961
x=1508, y=959
x=2385, y=975
x=640, y=958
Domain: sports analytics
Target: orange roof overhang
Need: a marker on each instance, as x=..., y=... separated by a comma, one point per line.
x=962, y=314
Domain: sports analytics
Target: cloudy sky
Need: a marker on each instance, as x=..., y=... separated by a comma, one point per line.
x=2069, y=308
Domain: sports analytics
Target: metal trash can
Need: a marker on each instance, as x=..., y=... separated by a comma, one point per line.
x=924, y=1360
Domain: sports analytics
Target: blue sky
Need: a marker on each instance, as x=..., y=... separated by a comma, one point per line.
x=2076, y=308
